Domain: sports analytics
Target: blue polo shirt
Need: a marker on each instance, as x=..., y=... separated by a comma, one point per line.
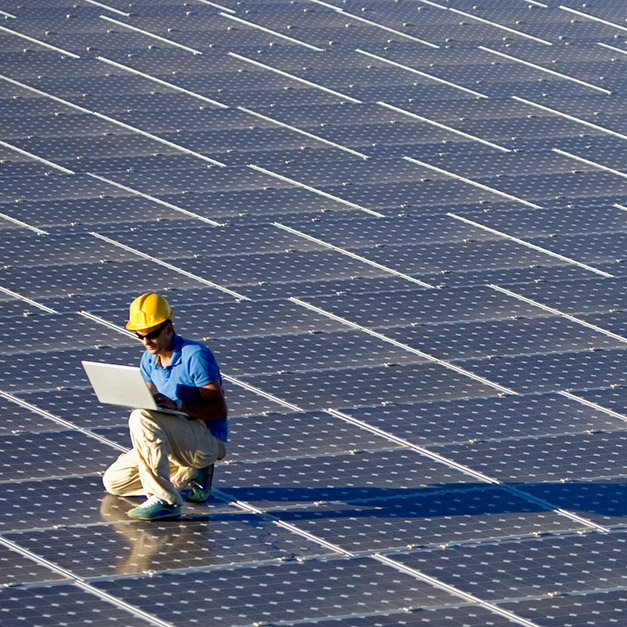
x=192, y=366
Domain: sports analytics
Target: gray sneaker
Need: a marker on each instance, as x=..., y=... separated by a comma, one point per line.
x=200, y=486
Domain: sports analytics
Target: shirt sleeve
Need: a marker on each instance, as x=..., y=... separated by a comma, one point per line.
x=144, y=366
x=203, y=368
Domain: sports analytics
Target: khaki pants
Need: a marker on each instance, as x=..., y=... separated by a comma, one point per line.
x=167, y=451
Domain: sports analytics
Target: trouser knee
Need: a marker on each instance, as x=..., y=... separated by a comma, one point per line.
x=122, y=475
x=110, y=484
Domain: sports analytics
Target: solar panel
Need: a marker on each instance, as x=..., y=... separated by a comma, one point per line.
x=400, y=227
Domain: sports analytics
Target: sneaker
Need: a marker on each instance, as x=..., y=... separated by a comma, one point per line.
x=155, y=509
x=200, y=486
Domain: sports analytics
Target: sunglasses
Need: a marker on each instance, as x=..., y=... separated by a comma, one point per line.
x=153, y=335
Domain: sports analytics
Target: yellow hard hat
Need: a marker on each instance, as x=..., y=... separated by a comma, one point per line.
x=148, y=310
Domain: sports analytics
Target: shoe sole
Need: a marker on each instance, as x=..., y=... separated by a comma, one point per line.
x=162, y=517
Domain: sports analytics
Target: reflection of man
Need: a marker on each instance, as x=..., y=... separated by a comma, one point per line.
x=153, y=546
x=171, y=452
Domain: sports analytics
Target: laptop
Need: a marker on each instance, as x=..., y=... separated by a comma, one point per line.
x=122, y=385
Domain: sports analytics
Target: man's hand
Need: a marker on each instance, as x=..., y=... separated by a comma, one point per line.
x=164, y=401
x=210, y=404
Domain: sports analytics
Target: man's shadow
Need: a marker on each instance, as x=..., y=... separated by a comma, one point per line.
x=602, y=499
x=159, y=545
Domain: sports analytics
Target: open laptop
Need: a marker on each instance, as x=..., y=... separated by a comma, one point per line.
x=122, y=385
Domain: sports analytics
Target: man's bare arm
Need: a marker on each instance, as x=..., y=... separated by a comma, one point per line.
x=210, y=404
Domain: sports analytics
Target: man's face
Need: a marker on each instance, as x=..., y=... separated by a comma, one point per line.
x=157, y=339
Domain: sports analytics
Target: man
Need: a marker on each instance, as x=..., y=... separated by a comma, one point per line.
x=171, y=452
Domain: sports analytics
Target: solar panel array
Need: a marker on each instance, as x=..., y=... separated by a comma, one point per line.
x=401, y=228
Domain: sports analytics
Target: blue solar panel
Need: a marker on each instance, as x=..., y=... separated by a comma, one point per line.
x=400, y=227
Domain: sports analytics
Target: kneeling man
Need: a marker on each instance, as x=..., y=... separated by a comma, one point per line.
x=173, y=455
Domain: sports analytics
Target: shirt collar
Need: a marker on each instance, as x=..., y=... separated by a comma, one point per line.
x=177, y=349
